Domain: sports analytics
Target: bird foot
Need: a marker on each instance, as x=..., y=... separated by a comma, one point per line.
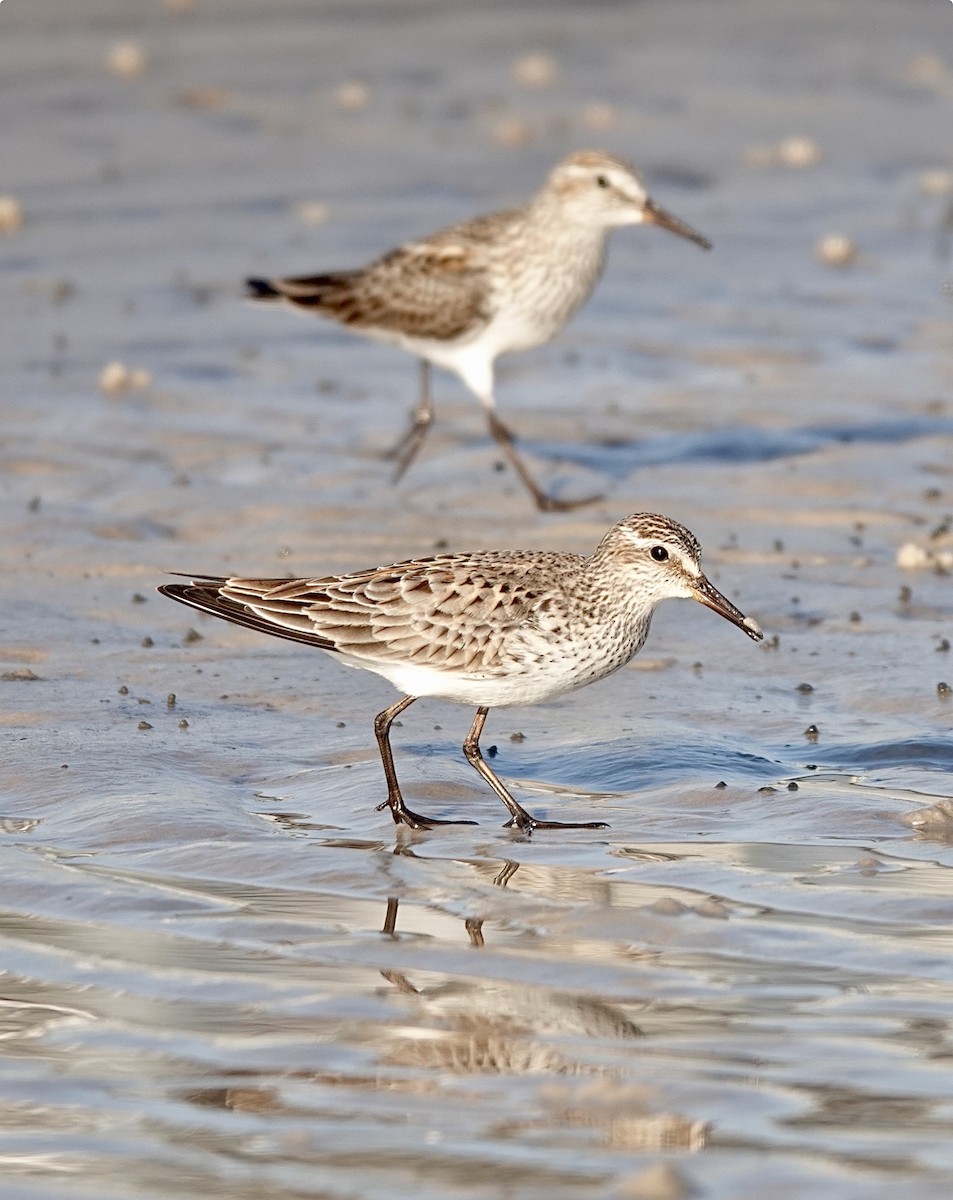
x=526, y=823
x=406, y=816
x=405, y=451
x=547, y=503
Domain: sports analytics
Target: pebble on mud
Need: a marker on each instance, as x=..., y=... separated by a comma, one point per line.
x=938, y=816
x=143, y=725
x=20, y=675
x=204, y=98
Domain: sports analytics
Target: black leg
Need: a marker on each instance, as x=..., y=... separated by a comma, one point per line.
x=421, y=419
x=395, y=801
x=390, y=917
x=519, y=817
x=544, y=502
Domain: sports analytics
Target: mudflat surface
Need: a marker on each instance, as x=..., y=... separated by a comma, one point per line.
x=738, y=990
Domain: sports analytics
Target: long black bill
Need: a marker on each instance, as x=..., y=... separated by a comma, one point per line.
x=659, y=216
x=708, y=595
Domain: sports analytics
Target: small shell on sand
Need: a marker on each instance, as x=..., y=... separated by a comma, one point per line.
x=11, y=214
x=312, y=212
x=352, y=96
x=599, y=116
x=127, y=59
x=913, y=557
x=513, y=132
x=836, y=250
x=795, y=152
x=535, y=70
x=116, y=378
x=938, y=182
x=799, y=152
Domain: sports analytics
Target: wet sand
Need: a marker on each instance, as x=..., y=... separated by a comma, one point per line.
x=224, y=972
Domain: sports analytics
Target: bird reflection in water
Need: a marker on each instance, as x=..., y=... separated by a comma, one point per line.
x=495, y=1026
x=468, y=1025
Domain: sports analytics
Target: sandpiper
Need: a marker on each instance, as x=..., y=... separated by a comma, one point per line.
x=507, y=281
x=495, y=628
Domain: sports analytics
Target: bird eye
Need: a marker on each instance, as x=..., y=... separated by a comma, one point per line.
x=659, y=553
x=602, y=181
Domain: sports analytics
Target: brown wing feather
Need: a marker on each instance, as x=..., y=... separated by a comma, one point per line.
x=207, y=597
x=447, y=612
x=434, y=288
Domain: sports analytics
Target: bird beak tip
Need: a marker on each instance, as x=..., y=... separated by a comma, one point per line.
x=752, y=629
x=653, y=214
x=713, y=599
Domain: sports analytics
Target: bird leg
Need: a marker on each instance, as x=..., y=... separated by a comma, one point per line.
x=519, y=817
x=544, y=502
x=421, y=419
x=395, y=801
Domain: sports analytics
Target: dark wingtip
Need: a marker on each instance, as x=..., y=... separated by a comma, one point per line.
x=175, y=591
x=260, y=289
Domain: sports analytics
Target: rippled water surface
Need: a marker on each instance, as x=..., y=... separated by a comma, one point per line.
x=223, y=972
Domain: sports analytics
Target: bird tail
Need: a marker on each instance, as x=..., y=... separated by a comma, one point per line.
x=303, y=291
x=209, y=594
x=262, y=289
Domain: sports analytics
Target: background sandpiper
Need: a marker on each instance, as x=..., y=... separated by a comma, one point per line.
x=497, y=283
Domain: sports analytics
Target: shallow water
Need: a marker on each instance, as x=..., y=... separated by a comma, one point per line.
x=223, y=972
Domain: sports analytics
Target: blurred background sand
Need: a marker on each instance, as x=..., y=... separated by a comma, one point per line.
x=741, y=990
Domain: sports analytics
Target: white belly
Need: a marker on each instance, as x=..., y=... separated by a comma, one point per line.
x=526, y=682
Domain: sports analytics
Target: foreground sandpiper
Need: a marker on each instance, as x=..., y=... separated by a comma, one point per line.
x=507, y=281
x=495, y=628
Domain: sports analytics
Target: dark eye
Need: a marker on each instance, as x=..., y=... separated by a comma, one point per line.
x=659, y=553
x=602, y=180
